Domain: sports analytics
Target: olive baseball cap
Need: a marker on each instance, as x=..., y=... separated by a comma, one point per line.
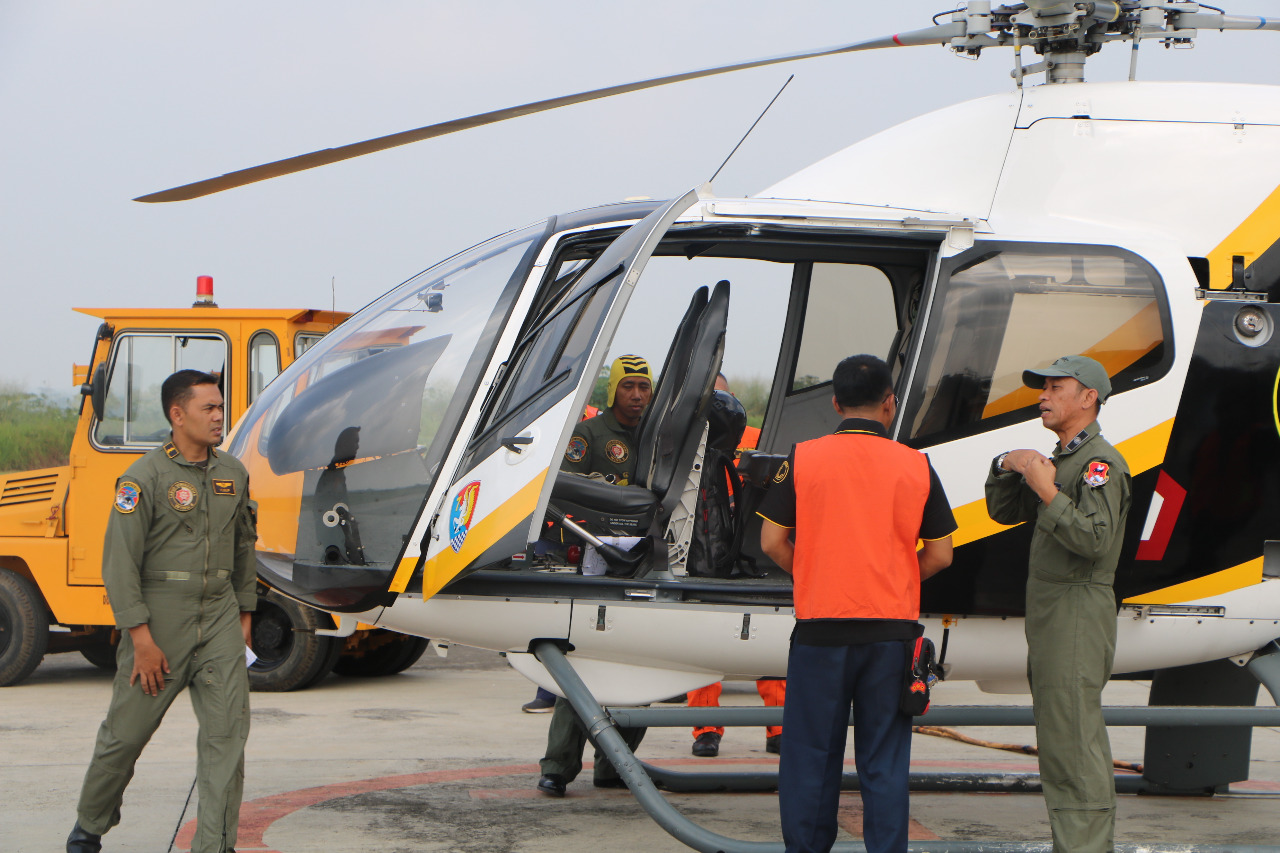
x=1083, y=369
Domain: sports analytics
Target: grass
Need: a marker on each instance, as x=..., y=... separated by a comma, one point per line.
x=35, y=430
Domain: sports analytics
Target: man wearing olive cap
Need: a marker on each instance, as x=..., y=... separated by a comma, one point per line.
x=1078, y=501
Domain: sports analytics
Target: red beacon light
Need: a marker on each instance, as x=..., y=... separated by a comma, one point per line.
x=204, y=292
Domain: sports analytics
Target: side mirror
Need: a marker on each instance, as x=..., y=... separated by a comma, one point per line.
x=96, y=391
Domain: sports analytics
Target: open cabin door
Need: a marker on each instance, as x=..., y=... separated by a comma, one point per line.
x=493, y=509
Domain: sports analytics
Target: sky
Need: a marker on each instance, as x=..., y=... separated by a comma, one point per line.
x=102, y=102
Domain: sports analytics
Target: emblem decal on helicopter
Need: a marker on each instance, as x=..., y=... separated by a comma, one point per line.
x=616, y=451
x=577, y=449
x=183, y=496
x=1097, y=474
x=127, y=497
x=461, y=513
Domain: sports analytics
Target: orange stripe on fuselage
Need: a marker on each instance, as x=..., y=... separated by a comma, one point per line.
x=1250, y=239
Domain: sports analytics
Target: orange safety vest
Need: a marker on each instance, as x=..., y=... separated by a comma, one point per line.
x=860, y=500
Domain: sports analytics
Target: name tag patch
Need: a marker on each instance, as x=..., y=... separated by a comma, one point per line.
x=224, y=487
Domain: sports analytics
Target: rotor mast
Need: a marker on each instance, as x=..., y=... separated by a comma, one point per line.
x=1065, y=33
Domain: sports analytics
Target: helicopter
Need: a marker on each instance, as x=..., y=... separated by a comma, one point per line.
x=407, y=466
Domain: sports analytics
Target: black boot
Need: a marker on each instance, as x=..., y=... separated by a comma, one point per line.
x=82, y=841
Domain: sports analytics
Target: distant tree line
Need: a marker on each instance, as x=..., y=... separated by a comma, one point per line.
x=35, y=430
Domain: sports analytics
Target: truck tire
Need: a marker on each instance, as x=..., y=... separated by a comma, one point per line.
x=24, y=628
x=100, y=651
x=291, y=656
x=390, y=653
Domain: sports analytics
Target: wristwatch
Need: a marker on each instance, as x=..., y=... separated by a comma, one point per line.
x=997, y=464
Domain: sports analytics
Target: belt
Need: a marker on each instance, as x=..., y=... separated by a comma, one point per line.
x=186, y=576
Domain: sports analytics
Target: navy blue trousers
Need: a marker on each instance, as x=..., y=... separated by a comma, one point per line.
x=822, y=682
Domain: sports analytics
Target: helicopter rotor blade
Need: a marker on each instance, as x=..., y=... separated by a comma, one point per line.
x=940, y=34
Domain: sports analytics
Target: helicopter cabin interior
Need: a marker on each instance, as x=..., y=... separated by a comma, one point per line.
x=797, y=300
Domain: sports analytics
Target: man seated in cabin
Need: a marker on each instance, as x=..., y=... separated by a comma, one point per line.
x=602, y=445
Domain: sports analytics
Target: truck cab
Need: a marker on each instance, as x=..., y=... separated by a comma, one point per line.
x=53, y=520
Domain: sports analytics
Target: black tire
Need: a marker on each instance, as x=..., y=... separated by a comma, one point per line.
x=100, y=651
x=386, y=654
x=291, y=656
x=24, y=628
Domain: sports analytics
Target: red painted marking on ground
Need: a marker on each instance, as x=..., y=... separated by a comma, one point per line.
x=849, y=818
x=257, y=816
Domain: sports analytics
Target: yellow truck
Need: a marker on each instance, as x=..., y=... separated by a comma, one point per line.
x=52, y=520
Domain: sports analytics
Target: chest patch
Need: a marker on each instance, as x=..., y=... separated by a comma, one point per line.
x=617, y=451
x=127, y=497
x=1097, y=474
x=224, y=487
x=183, y=496
x=576, y=450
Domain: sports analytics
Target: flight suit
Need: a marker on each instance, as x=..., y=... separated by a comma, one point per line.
x=1071, y=628
x=601, y=445
x=178, y=556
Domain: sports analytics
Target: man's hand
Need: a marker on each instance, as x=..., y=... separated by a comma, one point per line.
x=1039, y=475
x=1019, y=460
x=246, y=627
x=149, y=663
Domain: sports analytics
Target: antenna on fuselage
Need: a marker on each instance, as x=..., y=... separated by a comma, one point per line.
x=748, y=133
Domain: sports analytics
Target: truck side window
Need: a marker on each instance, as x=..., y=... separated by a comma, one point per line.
x=1006, y=307
x=264, y=362
x=140, y=362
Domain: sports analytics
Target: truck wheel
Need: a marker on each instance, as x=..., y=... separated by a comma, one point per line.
x=386, y=654
x=24, y=628
x=291, y=656
x=100, y=651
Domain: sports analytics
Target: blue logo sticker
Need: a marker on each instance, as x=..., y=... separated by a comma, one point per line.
x=461, y=511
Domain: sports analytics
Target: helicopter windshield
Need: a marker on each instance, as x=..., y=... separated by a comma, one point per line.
x=343, y=447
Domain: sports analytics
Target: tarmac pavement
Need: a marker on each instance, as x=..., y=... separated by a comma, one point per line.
x=440, y=758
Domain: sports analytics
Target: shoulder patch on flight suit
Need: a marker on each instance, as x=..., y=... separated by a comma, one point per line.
x=127, y=497
x=183, y=496
x=617, y=451
x=224, y=487
x=577, y=449
x=783, y=471
x=170, y=450
x=1097, y=474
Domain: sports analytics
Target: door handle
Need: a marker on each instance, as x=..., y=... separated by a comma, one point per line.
x=514, y=442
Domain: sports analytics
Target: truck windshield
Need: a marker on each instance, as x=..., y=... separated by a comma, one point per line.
x=343, y=447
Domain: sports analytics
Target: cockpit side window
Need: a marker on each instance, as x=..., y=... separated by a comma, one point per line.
x=845, y=303
x=1007, y=307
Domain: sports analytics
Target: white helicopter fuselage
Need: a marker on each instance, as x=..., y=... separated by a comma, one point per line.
x=1158, y=172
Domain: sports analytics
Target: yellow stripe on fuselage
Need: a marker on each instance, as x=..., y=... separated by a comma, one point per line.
x=1245, y=574
x=444, y=566
x=1143, y=452
x=1250, y=239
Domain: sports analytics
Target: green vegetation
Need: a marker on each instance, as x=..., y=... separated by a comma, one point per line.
x=35, y=430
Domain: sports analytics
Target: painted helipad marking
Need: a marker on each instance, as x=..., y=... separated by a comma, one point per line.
x=849, y=817
x=259, y=815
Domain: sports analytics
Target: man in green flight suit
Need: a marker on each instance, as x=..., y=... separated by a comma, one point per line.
x=604, y=445
x=179, y=571
x=1078, y=501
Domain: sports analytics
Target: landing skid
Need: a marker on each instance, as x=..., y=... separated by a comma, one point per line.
x=640, y=778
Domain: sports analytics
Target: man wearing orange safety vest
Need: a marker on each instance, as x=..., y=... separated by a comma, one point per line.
x=859, y=504
x=706, y=739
